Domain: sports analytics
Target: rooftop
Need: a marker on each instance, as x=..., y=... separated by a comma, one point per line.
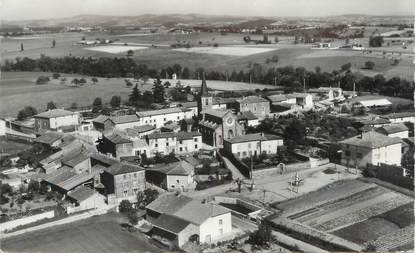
x=219, y=113
x=55, y=113
x=187, y=135
x=208, y=124
x=181, y=168
x=100, y=119
x=279, y=97
x=49, y=138
x=375, y=121
x=251, y=99
x=103, y=159
x=162, y=135
x=246, y=115
x=399, y=115
x=81, y=193
x=117, y=138
x=67, y=179
x=253, y=137
x=170, y=223
x=123, y=168
x=371, y=139
x=159, y=112
x=124, y=119
x=394, y=128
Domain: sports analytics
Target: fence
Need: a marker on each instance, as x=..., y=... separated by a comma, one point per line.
x=392, y=174
x=26, y=220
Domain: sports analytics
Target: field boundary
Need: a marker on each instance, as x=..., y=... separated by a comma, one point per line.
x=388, y=185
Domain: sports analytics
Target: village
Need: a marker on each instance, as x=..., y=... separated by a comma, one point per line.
x=212, y=171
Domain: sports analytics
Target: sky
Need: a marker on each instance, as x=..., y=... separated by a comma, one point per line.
x=44, y=9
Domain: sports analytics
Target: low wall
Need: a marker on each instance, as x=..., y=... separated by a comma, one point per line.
x=26, y=220
x=276, y=170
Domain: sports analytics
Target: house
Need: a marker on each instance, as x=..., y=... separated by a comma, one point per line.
x=50, y=139
x=327, y=93
x=394, y=130
x=381, y=102
x=247, y=118
x=122, y=122
x=176, y=176
x=160, y=117
x=281, y=98
x=252, y=145
x=255, y=104
x=56, y=120
x=218, y=125
x=373, y=123
x=116, y=144
x=138, y=132
x=181, y=219
x=401, y=117
x=190, y=105
x=371, y=148
x=179, y=143
x=123, y=180
x=100, y=123
x=66, y=179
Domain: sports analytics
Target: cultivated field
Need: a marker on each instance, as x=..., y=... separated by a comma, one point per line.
x=113, y=49
x=367, y=214
x=97, y=234
x=204, y=55
x=231, y=51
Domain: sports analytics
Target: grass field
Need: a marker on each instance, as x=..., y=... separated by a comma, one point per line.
x=101, y=234
x=356, y=211
x=162, y=55
x=12, y=147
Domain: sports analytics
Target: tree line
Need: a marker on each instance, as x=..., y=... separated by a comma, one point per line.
x=291, y=78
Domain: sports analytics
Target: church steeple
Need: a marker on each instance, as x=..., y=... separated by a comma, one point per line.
x=203, y=89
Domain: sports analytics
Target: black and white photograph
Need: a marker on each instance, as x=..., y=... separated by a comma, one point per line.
x=207, y=126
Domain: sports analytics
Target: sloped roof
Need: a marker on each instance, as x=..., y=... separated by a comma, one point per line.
x=181, y=168
x=124, y=119
x=75, y=160
x=208, y=124
x=161, y=135
x=279, y=97
x=375, y=121
x=375, y=102
x=55, y=113
x=170, y=223
x=221, y=100
x=246, y=115
x=371, y=139
x=159, y=112
x=189, y=104
x=399, y=115
x=141, y=129
x=103, y=159
x=394, y=128
x=117, y=138
x=219, y=113
x=187, y=135
x=251, y=100
x=67, y=179
x=123, y=168
x=81, y=193
x=253, y=137
x=203, y=89
x=49, y=138
x=100, y=119
x=168, y=203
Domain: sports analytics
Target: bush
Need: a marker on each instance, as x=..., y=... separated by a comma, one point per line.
x=56, y=75
x=42, y=80
x=27, y=112
x=133, y=217
x=125, y=206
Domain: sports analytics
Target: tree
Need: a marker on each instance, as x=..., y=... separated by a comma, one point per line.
x=27, y=112
x=97, y=105
x=94, y=80
x=50, y=106
x=56, y=75
x=346, y=67
x=276, y=40
x=42, y=80
x=185, y=73
x=158, y=91
x=369, y=65
x=263, y=236
x=21, y=47
x=75, y=81
x=115, y=101
x=33, y=186
x=375, y=41
x=130, y=53
x=125, y=206
x=135, y=96
x=82, y=81
x=150, y=195
x=5, y=189
x=133, y=217
x=53, y=43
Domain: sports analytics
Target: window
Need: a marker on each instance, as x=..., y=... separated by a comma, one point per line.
x=167, y=144
x=221, y=231
x=195, y=146
x=178, y=117
x=164, y=119
x=125, y=176
x=195, y=139
x=156, y=145
x=135, y=174
x=178, y=181
x=181, y=142
x=206, y=102
x=220, y=221
x=238, y=154
x=181, y=149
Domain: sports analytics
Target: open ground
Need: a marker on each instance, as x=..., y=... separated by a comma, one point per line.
x=97, y=234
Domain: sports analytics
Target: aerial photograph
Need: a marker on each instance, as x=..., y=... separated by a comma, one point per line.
x=240, y=126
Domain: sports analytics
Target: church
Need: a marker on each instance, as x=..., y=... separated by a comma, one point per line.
x=216, y=125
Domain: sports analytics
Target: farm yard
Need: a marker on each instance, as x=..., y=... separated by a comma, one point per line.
x=367, y=214
x=97, y=234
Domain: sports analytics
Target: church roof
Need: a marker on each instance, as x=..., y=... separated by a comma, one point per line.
x=204, y=89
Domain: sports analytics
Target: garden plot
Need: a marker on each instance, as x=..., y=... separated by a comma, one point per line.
x=366, y=214
x=228, y=51
x=115, y=49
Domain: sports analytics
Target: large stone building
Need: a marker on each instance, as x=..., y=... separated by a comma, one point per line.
x=253, y=145
x=123, y=180
x=371, y=148
x=56, y=120
x=159, y=118
x=179, y=143
x=255, y=104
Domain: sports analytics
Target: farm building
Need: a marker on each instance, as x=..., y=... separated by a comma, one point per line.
x=115, y=144
x=247, y=118
x=371, y=148
x=401, y=117
x=394, y=130
x=181, y=219
x=254, y=104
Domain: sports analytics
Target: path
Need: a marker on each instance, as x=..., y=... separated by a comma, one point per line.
x=235, y=172
x=59, y=222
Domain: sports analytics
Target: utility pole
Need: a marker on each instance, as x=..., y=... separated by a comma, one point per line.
x=304, y=83
x=250, y=78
